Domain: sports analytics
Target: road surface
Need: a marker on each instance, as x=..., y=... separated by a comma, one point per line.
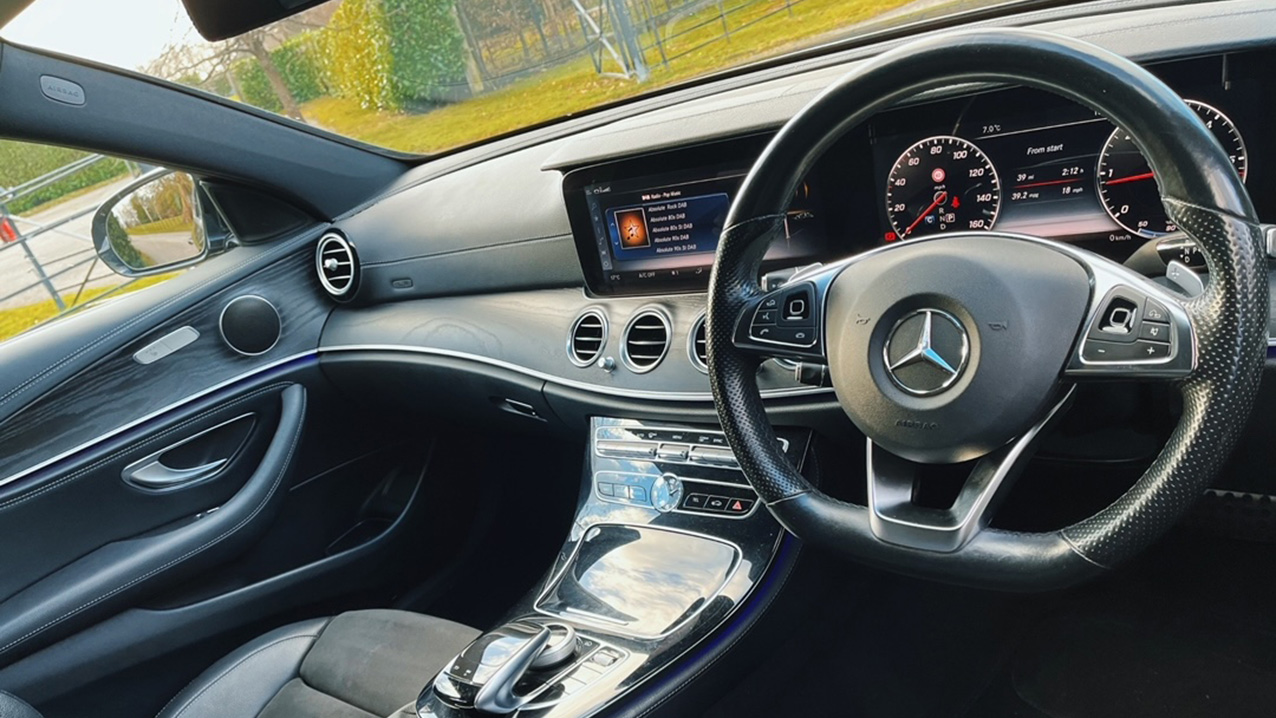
x=59, y=250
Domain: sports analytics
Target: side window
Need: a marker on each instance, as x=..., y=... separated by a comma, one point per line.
x=50, y=264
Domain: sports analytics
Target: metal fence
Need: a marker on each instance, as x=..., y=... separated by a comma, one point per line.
x=624, y=38
x=62, y=267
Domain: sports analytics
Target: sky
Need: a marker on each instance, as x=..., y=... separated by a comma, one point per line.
x=124, y=33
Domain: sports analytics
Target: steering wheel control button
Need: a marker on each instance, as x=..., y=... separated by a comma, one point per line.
x=1154, y=332
x=797, y=307
x=1116, y=352
x=1118, y=317
x=1154, y=311
x=786, y=318
x=926, y=352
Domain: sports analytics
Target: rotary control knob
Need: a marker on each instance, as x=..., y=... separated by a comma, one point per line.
x=666, y=493
x=560, y=648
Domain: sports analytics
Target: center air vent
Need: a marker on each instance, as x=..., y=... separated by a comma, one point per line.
x=697, y=348
x=338, y=266
x=587, y=337
x=646, y=340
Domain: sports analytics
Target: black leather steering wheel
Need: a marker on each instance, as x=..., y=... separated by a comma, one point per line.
x=966, y=347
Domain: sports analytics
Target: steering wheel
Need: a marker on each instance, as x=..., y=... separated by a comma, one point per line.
x=966, y=347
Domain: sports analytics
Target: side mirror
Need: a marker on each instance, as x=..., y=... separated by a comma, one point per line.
x=157, y=224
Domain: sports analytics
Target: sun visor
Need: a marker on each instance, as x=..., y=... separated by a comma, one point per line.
x=221, y=19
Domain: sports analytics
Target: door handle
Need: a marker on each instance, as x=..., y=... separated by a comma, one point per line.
x=154, y=475
x=210, y=450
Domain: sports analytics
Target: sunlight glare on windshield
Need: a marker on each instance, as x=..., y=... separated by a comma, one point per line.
x=425, y=76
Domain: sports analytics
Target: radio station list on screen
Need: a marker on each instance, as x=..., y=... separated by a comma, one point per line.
x=650, y=232
x=668, y=223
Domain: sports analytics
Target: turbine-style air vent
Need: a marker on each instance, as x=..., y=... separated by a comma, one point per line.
x=646, y=340
x=338, y=266
x=587, y=337
x=697, y=347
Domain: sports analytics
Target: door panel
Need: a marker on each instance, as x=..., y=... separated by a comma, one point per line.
x=294, y=502
x=100, y=387
x=128, y=540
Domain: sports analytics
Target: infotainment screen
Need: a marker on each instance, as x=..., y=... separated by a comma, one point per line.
x=657, y=233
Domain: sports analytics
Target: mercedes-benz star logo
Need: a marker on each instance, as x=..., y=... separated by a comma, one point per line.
x=926, y=352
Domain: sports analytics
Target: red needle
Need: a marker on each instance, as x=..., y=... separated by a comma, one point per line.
x=939, y=199
x=1131, y=178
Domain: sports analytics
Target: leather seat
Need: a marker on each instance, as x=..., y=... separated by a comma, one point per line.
x=363, y=664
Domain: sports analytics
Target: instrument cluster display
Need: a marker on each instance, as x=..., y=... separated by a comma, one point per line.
x=1029, y=162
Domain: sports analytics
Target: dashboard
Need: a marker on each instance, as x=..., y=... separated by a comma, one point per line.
x=1015, y=160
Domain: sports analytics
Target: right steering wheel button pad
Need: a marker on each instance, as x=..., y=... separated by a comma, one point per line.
x=1130, y=328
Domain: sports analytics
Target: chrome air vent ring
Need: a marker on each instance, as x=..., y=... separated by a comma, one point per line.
x=646, y=339
x=337, y=265
x=587, y=337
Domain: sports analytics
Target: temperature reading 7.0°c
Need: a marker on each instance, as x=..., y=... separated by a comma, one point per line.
x=942, y=184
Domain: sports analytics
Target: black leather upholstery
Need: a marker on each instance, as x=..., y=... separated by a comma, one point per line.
x=357, y=665
x=13, y=707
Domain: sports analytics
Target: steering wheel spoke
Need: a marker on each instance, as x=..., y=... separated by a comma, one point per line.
x=896, y=518
x=1135, y=329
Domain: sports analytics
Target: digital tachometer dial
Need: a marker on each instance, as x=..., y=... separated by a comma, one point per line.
x=1128, y=187
x=942, y=184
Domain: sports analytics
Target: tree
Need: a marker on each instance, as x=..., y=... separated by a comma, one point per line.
x=207, y=62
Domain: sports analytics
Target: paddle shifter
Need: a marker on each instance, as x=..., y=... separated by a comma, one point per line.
x=486, y=674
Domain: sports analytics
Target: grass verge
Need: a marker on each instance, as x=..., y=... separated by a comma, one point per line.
x=574, y=87
x=15, y=320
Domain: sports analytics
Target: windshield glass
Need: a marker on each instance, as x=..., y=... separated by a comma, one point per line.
x=425, y=76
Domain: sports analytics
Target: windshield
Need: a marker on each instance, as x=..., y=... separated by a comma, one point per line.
x=425, y=76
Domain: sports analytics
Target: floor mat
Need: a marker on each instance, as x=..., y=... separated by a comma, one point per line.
x=1098, y=667
x=1191, y=633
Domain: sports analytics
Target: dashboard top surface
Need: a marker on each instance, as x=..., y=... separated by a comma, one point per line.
x=495, y=222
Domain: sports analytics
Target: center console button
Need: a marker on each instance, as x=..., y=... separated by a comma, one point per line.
x=716, y=503
x=713, y=456
x=695, y=501
x=604, y=658
x=672, y=452
x=625, y=449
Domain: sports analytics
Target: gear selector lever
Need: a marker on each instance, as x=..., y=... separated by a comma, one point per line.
x=483, y=677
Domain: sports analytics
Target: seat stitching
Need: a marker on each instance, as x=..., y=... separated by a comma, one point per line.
x=22, y=498
x=260, y=506
x=225, y=673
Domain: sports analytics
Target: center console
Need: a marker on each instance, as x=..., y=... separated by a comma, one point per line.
x=668, y=543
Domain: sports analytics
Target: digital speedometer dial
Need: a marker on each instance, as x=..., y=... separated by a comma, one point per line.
x=942, y=184
x=1126, y=183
